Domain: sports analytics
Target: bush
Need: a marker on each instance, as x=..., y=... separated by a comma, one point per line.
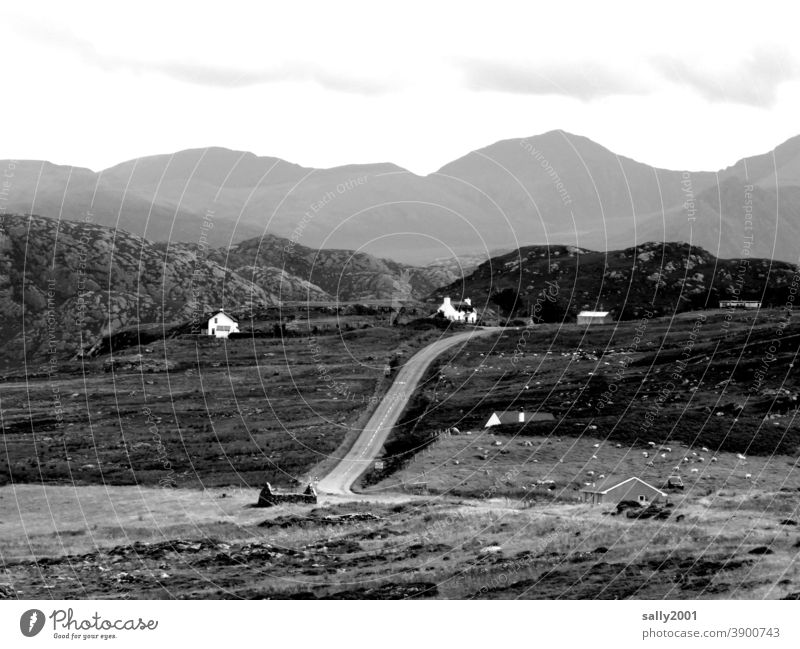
x=507, y=300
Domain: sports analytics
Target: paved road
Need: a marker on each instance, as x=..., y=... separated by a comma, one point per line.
x=370, y=442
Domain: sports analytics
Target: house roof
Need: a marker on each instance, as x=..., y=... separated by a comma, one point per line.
x=611, y=483
x=513, y=417
x=222, y=312
x=594, y=314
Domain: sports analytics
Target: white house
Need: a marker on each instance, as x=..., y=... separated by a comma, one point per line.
x=739, y=304
x=498, y=418
x=463, y=312
x=594, y=317
x=222, y=325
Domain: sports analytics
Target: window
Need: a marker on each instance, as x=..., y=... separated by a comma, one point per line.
x=642, y=499
x=215, y=321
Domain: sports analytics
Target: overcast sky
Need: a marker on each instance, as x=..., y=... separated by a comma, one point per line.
x=694, y=85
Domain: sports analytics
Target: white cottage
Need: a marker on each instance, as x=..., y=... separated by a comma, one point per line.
x=222, y=325
x=463, y=312
x=594, y=317
x=507, y=417
x=739, y=304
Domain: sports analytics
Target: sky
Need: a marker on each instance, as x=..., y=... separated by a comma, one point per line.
x=673, y=84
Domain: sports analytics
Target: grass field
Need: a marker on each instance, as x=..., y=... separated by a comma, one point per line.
x=499, y=516
x=126, y=542
x=201, y=412
x=485, y=464
x=685, y=384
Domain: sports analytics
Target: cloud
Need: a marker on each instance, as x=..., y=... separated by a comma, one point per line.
x=753, y=82
x=227, y=77
x=580, y=80
x=197, y=73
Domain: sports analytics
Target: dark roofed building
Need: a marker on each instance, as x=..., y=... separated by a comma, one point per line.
x=613, y=491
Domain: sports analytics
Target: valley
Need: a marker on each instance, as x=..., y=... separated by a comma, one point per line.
x=462, y=511
x=135, y=444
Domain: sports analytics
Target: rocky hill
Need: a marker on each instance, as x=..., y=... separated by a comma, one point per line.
x=63, y=284
x=554, y=282
x=346, y=274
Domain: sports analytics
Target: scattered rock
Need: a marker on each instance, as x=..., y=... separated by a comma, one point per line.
x=491, y=549
x=412, y=590
x=317, y=519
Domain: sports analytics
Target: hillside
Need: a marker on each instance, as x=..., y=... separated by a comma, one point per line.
x=554, y=282
x=346, y=274
x=553, y=188
x=63, y=284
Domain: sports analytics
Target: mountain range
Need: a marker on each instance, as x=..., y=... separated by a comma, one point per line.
x=554, y=188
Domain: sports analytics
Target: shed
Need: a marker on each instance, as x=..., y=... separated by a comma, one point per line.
x=612, y=492
x=594, y=317
x=521, y=417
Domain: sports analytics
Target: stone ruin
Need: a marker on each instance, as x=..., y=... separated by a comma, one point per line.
x=269, y=496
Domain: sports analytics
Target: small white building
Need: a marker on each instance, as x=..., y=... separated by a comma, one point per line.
x=739, y=304
x=463, y=312
x=222, y=325
x=594, y=317
x=498, y=418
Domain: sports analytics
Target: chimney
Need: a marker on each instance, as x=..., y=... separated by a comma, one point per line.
x=467, y=301
x=521, y=417
x=446, y=302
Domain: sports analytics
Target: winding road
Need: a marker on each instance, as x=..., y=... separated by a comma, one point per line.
x=370, y=442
